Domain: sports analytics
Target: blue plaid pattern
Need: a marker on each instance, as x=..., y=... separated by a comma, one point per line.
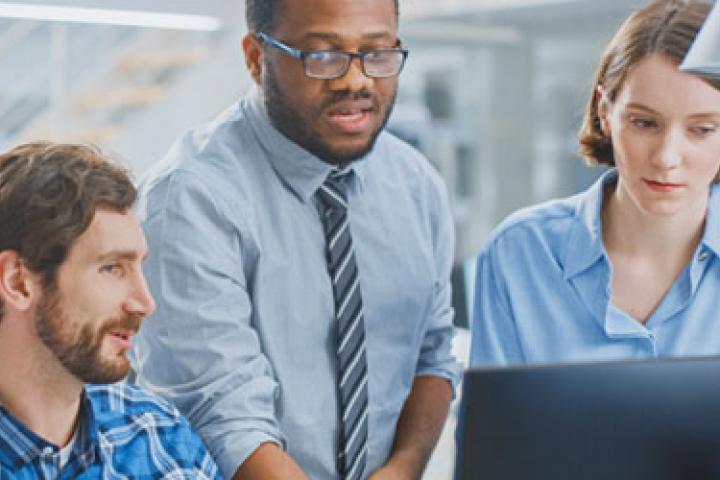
x=124, y=433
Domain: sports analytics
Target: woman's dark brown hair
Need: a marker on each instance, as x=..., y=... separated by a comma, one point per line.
x=49, y=194
x=667, y=27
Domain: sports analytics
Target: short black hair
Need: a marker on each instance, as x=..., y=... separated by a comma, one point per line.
x=260, y=14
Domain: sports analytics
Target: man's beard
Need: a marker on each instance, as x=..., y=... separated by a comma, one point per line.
x=78, y=348
x=299, y=130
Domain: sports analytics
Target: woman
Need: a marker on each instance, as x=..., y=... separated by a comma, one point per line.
x=628, y=268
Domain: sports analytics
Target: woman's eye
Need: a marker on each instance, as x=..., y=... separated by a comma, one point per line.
x=704, y=130
x=643, y=123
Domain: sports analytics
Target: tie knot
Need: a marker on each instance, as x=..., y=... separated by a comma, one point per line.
x=332, y=192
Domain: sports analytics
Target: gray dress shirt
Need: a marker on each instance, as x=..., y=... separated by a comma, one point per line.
x=243, y=340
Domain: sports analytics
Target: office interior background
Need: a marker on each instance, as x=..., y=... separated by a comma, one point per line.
x=493, y=94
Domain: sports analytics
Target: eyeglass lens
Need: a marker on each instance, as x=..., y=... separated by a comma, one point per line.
x=381, y=63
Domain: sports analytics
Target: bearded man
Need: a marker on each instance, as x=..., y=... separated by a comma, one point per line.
x=72, y=295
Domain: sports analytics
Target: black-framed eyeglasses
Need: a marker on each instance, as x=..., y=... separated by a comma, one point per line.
x=331, y=64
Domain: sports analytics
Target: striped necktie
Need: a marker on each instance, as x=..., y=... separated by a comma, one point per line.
x=352, y=362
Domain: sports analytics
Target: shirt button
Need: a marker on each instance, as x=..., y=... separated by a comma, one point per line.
x=47, y=451
x=703, y=255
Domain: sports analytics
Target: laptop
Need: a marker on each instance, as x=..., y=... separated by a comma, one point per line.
x=631, y=420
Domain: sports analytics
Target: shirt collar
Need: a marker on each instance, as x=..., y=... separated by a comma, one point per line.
x=302, y=171
x=584, y=243
x=20, y=446
x=711, y=235
x=587, y=229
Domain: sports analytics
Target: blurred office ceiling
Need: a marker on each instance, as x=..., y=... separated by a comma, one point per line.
x=176, y=6
x=489, y=12
x=493, y=90
x=230, y=12
x=55, y=89
x=501, y=20
x=234, y=8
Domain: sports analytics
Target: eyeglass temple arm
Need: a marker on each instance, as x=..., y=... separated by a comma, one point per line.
x=280, y=46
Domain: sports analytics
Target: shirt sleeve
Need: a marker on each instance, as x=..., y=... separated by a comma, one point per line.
x=494, y=338
x=436, y=357
x=199, y=350
x=195, y=459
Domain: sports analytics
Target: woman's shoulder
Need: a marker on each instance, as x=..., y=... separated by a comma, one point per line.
x=548, y=221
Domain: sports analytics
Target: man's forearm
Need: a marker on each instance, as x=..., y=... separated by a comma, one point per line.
x=419, y=427
x=269, y=462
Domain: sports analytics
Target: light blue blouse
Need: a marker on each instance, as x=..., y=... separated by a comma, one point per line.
x=543, y=292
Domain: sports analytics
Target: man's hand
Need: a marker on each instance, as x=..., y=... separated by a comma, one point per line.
x=391, y=472
x=421, y=421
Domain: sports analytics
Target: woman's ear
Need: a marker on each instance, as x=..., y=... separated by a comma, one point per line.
x=603, y=105
x=18, y=285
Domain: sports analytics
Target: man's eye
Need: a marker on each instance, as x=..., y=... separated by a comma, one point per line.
x=110, y=268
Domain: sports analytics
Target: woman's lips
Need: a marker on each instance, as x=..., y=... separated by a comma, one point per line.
x=662, y=187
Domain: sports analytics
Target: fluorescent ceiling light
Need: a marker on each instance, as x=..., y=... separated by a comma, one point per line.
x=105, y=16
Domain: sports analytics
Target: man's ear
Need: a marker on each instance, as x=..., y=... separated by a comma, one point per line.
x=602, y=109
x=18, y=286
x=253, y=48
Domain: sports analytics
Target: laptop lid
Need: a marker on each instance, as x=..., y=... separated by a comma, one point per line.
x=631, y=420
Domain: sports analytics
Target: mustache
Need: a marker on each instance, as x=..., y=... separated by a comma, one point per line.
x=126, y=322
x=345, y=95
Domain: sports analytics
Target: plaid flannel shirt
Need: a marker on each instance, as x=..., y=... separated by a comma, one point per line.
x=123, y=433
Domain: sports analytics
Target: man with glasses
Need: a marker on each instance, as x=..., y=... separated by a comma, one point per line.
x=302, y=260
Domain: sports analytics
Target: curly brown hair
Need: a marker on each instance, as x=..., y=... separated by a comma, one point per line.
x=667, y=27
x=49, y=194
